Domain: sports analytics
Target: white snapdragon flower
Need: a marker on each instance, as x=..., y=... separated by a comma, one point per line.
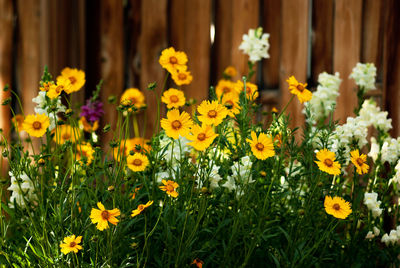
x=213, y=176
x=22, y=189
x=255, y=44
x=392, y=238
x=390, y=151
x=371, y=201
x=372, y=115
x=364, y=75
x=324, y=98
x=175, y=150
x=42, y=108
x=374, y=152
x=396, y=177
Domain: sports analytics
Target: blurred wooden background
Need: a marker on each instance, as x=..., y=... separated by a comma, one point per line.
x=120, y=42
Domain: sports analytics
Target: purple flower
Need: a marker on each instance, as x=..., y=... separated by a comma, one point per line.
x=92, y=111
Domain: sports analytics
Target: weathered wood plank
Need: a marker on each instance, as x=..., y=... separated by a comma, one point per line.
x=133, y=34
x=347, y=52
x=153, y=40
x=272, y=25
x=294, y=52
x=111, y=56
x=391, y=65
x=322, y=38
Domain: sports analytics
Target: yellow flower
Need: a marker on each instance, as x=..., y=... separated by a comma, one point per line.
x=211, y=113
x=76, y=77
x=71, y=244
x=231, y=102
x=169, y=187
x=327, y=162
x=176, y=124
x=337, y=207
x=86, y=126
x=102, y=216
x=66, y=133
x=138, y=145
x=182, y=77
x=18, y=122
x=133, y=96
x=251, y=89
x=137, y=162
x=173, y=98
x=202, y=137
x=36, y=125
x=230, y=71
x=63, y=84
x=261, y=146
x=224, y=87
x=84, y=150
x=359, y=162
x=135, y=192
x=173, y=60
x=46, y=86
x=141, y=208
x=299, y=89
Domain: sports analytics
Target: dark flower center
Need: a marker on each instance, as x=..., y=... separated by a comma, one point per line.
x=66, y=136
x=174, y=99
x=300, y=87
x=105, y=215
x=201, y=137
x=212, y=114
x=336, y=207
x=37, y=125
x=169, y=188
x=137, y=162
x=72, y=79
x=226, y=90
x=173, y=60
x=359, y=161
x=72, y=244
x=260, y=146
x=176, y=124
x=140, y=207
x=328, y=162
x=182, y=76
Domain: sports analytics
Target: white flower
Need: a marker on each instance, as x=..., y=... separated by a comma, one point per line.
x=369, y=235
x=396, y=177
x=385, y=239
x=42, y=108
x=162, y=175
x=22, y=189
x=372, y=115
x=255, y=44
x=324, y=98
x=374, y=152
x=230, y=184
x=390, y=151
x=393, y=238
x=371, y=201
x=376, y=231
x=173, y=150
x=364, y=75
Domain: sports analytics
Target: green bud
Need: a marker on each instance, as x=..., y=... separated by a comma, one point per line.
x=152, y=86
x=6, y=88
x=69, y=112
x=6, y=101
x=106, y=128
x=112, y=99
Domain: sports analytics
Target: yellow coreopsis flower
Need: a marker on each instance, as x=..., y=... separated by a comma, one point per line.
x=169, y=187
x=71, y=244
x=76, y=77
x=327, y=162
x=63, y=84
x=172, y=60
x=102, y=216
x=141, y=208
x=86, y=126
x=251, y=89
x=182, y=77
x=46, y=86
x=66, y=133
x=85, y=150
x=337, y=207
x=231, y=102
x=261, y=146
x=230, y=71
x=137, y=162
x=176, y=124
x=224, y=87
x=133, y=195
x=202, y=137
x=299, y=89
x=133, y=96
x=36, y=125
x=18, y=122
x=212, y=113
x=173, y=98
x=360, y=162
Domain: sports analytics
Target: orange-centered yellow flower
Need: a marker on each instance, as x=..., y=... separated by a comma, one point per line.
x=76, y=77
x=202, y=137
x=299, y=89
x=261, y=146
x=141, y=208
x=36, y=125
x=337, y=207
x=66, y=133
x=84, y=150
x=86, y=126
x=251, y=89
x=103, y=216
x=63, y=84
x=71, y=244
x=172, y=60
x=231, y=102
x=327, y=162
x=182, y=77
x=46, y=86
x=360, y=162
x=18, y=122
x=173, y=98
x=230, y=71
x=224, y=87
x=133, y=96
x=176, y=124
x=137, y=162
x=169, y=187
x=212, y=113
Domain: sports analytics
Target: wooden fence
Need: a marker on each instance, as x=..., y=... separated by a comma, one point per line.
x=120, y=42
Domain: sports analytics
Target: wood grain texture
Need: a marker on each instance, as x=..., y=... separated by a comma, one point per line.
x=132, y=38
x=294, y=53
x=111, y=57
x=272, y=25
x=322, y=38
x=153, y=39
x=347, y=52
x=391, y=80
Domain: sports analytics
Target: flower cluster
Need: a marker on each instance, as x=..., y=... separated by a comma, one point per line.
x=364, y=75
x=255, y=44
x=393, y=237
x=175, y=62
x=23, y=190
x=373, y=204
